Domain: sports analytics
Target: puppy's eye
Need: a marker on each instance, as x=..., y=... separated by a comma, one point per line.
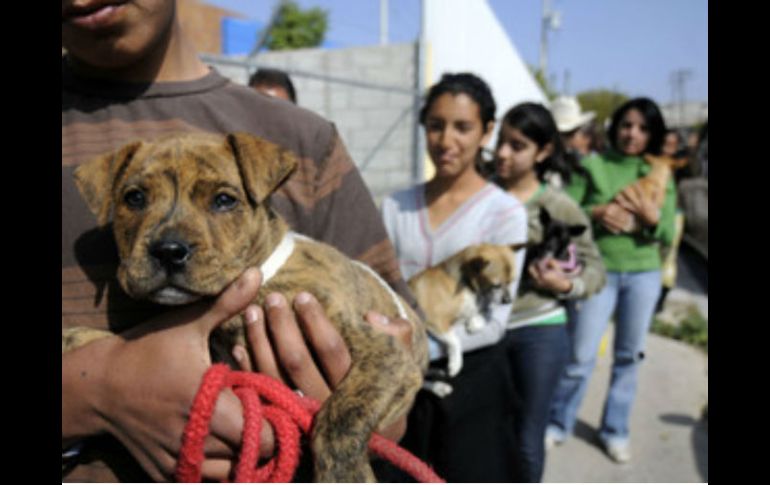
x=135, y=199
x=224, y=202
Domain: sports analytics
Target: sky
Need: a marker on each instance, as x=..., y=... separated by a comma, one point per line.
x=631, y=46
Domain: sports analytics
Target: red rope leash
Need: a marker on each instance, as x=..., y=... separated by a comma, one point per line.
x=290, y=416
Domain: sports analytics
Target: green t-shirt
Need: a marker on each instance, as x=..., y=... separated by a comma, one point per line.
x=608, y=174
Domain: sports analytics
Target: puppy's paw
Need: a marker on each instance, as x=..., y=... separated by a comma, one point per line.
x=475, y=323
x=441, y=389
x=72, y=338
x=454, y=353
x=454, y=365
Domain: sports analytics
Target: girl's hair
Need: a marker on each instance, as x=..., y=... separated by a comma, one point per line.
x=536, y=123
x=656, y=126
x=465, y=83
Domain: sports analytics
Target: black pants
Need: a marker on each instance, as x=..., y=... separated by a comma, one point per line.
x=467, y=436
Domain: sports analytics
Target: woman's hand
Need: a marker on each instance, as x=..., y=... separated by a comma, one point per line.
x=633, y=199
x=613, y=217
x=279, y=349
x=547, y=275
x=138, y=386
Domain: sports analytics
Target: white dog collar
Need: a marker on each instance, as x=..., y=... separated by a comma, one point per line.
x=278, y=258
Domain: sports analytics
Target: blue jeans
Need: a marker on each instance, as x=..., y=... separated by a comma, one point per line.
x=632, y=296
x=537, y=355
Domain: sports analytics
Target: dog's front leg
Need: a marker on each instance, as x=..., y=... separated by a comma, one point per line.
x=454, y=350
x=379, y=388
x=476, y=323
x=72, y=338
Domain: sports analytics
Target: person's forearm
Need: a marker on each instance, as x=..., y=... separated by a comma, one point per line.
x=597, y=212
x=79, y=418
x=493, y=331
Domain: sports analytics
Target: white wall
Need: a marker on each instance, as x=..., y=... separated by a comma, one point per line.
x=377, y=125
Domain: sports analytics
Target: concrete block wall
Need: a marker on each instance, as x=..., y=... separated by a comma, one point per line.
x=377, y=125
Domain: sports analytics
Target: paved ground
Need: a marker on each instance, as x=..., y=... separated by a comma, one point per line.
x=669, y=441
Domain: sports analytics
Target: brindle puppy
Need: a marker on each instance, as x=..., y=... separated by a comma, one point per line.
x=189, y=214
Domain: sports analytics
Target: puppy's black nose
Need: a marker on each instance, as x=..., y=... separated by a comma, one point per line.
x=171, y=254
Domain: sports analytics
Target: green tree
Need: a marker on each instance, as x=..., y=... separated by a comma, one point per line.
x=295, y=28
x=549, y=92
x=603, y=102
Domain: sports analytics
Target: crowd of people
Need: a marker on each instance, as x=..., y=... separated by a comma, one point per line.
x=525, y=373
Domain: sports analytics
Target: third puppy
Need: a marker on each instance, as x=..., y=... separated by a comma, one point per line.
x=459, y=291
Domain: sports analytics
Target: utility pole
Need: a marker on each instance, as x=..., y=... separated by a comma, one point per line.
x=266, y=32
x=551, y=21
x=383, y=22
x=565, y=88
x=678, y=79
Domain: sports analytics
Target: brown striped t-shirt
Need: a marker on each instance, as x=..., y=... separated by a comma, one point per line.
x=325, y=198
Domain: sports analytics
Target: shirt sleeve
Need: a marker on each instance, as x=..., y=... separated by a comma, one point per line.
x=594, y=275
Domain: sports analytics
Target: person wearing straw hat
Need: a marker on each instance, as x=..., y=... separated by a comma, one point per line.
x=573, y=124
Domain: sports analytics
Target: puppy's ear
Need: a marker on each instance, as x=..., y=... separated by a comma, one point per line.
x=577, y=230
x=263, y=165
x=96, y=178
x=475, y=265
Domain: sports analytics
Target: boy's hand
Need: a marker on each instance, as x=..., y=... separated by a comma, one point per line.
x=281, y=338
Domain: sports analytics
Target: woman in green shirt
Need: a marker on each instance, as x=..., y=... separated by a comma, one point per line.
x=633, y=267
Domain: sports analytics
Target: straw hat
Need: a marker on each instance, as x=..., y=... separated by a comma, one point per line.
x=566, y=113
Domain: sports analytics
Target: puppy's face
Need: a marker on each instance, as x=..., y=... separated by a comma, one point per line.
x=556, y=240
x=557, y=237
x=188, y=212
x=489, y=270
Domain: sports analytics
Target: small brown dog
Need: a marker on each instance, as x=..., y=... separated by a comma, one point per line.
x=189, y=215
x=651, y=187
x=459, y=291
